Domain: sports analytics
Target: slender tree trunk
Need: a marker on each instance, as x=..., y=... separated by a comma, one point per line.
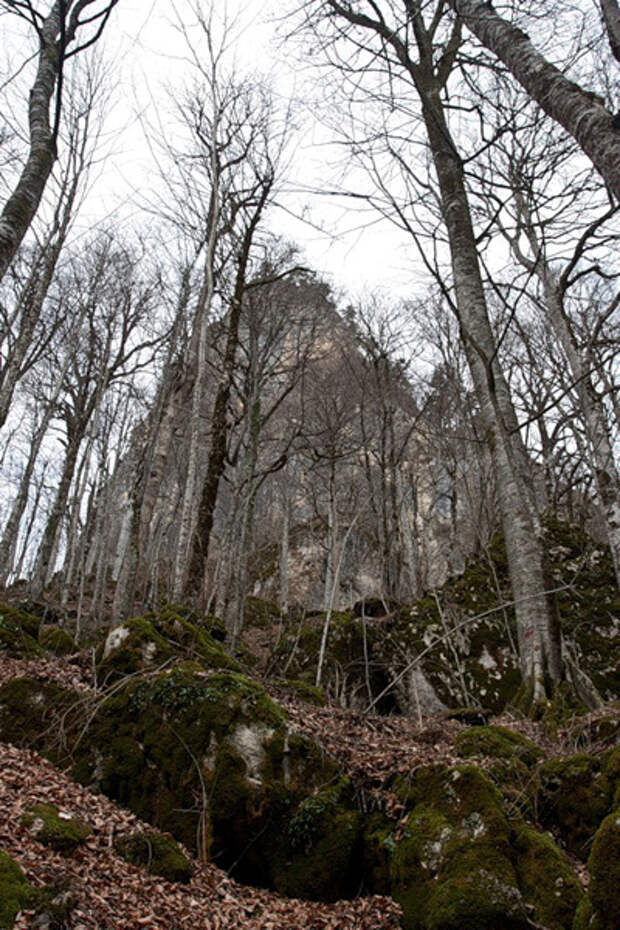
x=219, y=429
x=199, y=361
x=23, y=203
x=53, y=526
x=30, y=523
x=332, y=538
x=599, y=449
x=407, y=534
x=582, y=114
x=8, y=543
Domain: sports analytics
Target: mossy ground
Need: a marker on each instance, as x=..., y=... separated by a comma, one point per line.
x=158, y=854
x=33, y=715
x=497, y=743
x=55, y=829
x=15, y=892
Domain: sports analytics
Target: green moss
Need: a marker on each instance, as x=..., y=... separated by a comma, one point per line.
x=18, y=633
x=16, y=618
x=604, y=866
x=54, y=639
x=318, y=860
x=518, y=786
x=147, y=642
x=259, y=613
x=546, y=878
x=584, y=918
x=301, y=689
x=159, y=855
x=29, y=712
x=574, y=797
x=55, y=829
x=15, y=892
x=378, y=847
x=498, y=743
x=452, y=868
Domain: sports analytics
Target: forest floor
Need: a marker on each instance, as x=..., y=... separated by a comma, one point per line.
x=110, y=894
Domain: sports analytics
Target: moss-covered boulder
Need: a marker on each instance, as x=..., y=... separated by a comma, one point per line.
x=355, y=669
x=259, y=613
x=150, y=642
x=32, y=715
x=205, y=756
x=452, y=867
x=297, y=688
x=158, y=854
x=56, y=640
x=18, y=633
x=210, y=756
x=317, y=857
x=15, y=892
x=575, y=795
x=56, y=829
x=496, y=743
x=546, y=878
x=604, y=865
x=600, y=909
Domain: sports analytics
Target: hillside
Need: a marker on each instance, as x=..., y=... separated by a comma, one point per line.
x=280, y=808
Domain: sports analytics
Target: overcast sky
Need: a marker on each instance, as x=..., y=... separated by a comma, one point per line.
x=355, y=250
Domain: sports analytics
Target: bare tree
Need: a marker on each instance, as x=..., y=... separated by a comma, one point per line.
x=29, y=324
x=581, y=113
x=417, y=50
x=66, y=29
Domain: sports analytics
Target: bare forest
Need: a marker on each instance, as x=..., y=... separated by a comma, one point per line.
x=351, y=531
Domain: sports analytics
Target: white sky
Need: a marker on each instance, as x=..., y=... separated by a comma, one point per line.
x=150, y=53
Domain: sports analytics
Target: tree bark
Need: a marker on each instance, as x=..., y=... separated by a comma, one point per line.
x=582, y=114
x=56, y=32
x=539, y=648
x=611, y=18
x=219, y=429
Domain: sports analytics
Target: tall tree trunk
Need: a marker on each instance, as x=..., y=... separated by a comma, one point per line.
x=219, y=428
x=539, y=646
x=23, y=203
x=8, y=543
x=582, y=114
x=53, y=526
x=599, y=448
x=198, y=362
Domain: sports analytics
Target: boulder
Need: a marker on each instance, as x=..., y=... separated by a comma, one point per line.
x=158, y=854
